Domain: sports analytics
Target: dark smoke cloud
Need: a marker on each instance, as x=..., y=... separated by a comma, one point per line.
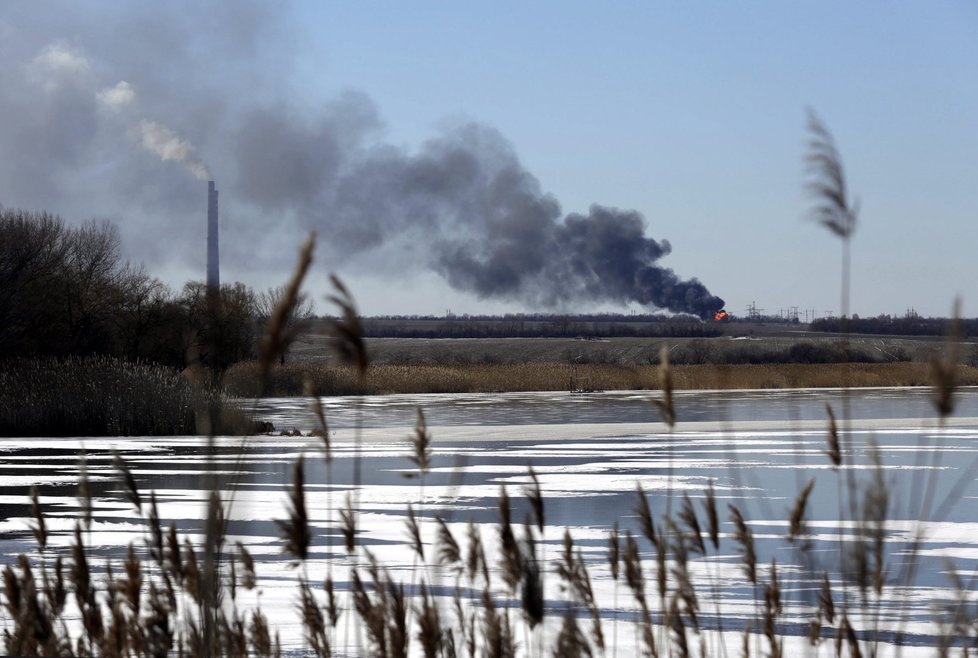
x=107, y=112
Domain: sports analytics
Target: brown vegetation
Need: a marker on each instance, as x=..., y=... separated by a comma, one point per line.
x=164, y=600
x=289, y=380
x=102, y=396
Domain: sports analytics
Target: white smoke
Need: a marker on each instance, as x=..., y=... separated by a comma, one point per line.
x=60, y=64
x=163, y=142
x=116, y=98
x=61, y=58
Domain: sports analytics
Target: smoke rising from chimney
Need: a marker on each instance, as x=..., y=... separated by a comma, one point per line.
x=461, y=205
x=159, y=139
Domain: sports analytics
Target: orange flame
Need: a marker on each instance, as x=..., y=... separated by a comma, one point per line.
x=721, y=315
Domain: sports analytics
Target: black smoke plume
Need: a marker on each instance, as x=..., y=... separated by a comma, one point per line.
x=102, y=111
x=466, y=206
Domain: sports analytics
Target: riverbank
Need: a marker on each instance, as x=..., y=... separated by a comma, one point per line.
x=288, y=380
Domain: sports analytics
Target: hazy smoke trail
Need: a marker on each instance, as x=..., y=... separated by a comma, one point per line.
x=160, y=140
x=461, y=205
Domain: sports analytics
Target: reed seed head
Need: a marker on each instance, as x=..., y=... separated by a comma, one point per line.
x=449, y=553
x=614, y=551
x=687, y=514
x=248, y=563
x=346, y=331
x=827, y=181
x=84, y=491
x=322, y=428
x=430, y=633
x=834, y=452
x=535, y=496
x=295, y=530
x=796, y=526
x=745, y=538
x=39, y=529
x=129, y=482
x=712, y=517
x=414, y=532
x=421, y=445
x=279, y=334
x=666, y=408
x=511, y=559
x=944, y=368
x=348, y=525
x=645, y=515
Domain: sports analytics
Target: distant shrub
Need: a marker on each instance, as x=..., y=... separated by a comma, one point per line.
x=102, y=396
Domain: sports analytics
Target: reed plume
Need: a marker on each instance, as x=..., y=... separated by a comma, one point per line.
x=312, y=621
x=645, y=515
x=745, y=538
x=571, y=642
x=511, y=559
x=834, y=452
x=475, y=557
x=414, y=532
x=712, y=517
x=332, y=605
x=687, y=514
x=248, y=563
x=346, y=331
x=132, y=585
x=535, y=496
x=129, y=482
x=322, y=427
x=430, y=633
x=796, y=526
x=39, y=530
x=295, y=530
x=826, y=605
x=944, y=367
x=531, y=590
x=84, y=492
x=614, y=551
x=279, y=334
x=421, y=445
x=827, y=181
x=449, y=553
x=633, y=568
x=666, y=408
x=348, y=525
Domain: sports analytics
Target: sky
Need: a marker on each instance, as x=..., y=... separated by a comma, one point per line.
x=509, y=156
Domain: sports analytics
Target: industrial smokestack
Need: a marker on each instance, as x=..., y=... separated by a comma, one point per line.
x=213, y=253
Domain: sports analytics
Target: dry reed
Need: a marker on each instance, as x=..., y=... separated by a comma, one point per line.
x=142, y=611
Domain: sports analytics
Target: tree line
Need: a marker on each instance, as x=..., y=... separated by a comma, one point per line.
x=517, y=327
x=908, y=325
x=67, y=291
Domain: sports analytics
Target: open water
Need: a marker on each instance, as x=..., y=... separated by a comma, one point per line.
x=757, y=448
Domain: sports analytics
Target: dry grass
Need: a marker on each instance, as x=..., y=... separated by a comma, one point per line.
x=289, y=380
x=160, y=602
x=103, y=396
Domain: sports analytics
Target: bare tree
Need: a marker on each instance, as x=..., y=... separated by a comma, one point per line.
x=299, y=313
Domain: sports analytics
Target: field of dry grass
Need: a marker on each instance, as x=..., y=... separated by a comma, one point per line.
x=758, y=357
x=288, y=380
x=747, y=348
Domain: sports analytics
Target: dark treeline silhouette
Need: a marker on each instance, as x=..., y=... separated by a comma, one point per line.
x=702, y=352
x=66, y=291
x=908, y=325
x=537, y=325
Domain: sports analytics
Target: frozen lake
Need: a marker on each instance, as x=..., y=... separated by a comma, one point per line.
x=758, y=448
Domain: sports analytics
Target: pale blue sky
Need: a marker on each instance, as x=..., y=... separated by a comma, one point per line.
x=691, y=113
